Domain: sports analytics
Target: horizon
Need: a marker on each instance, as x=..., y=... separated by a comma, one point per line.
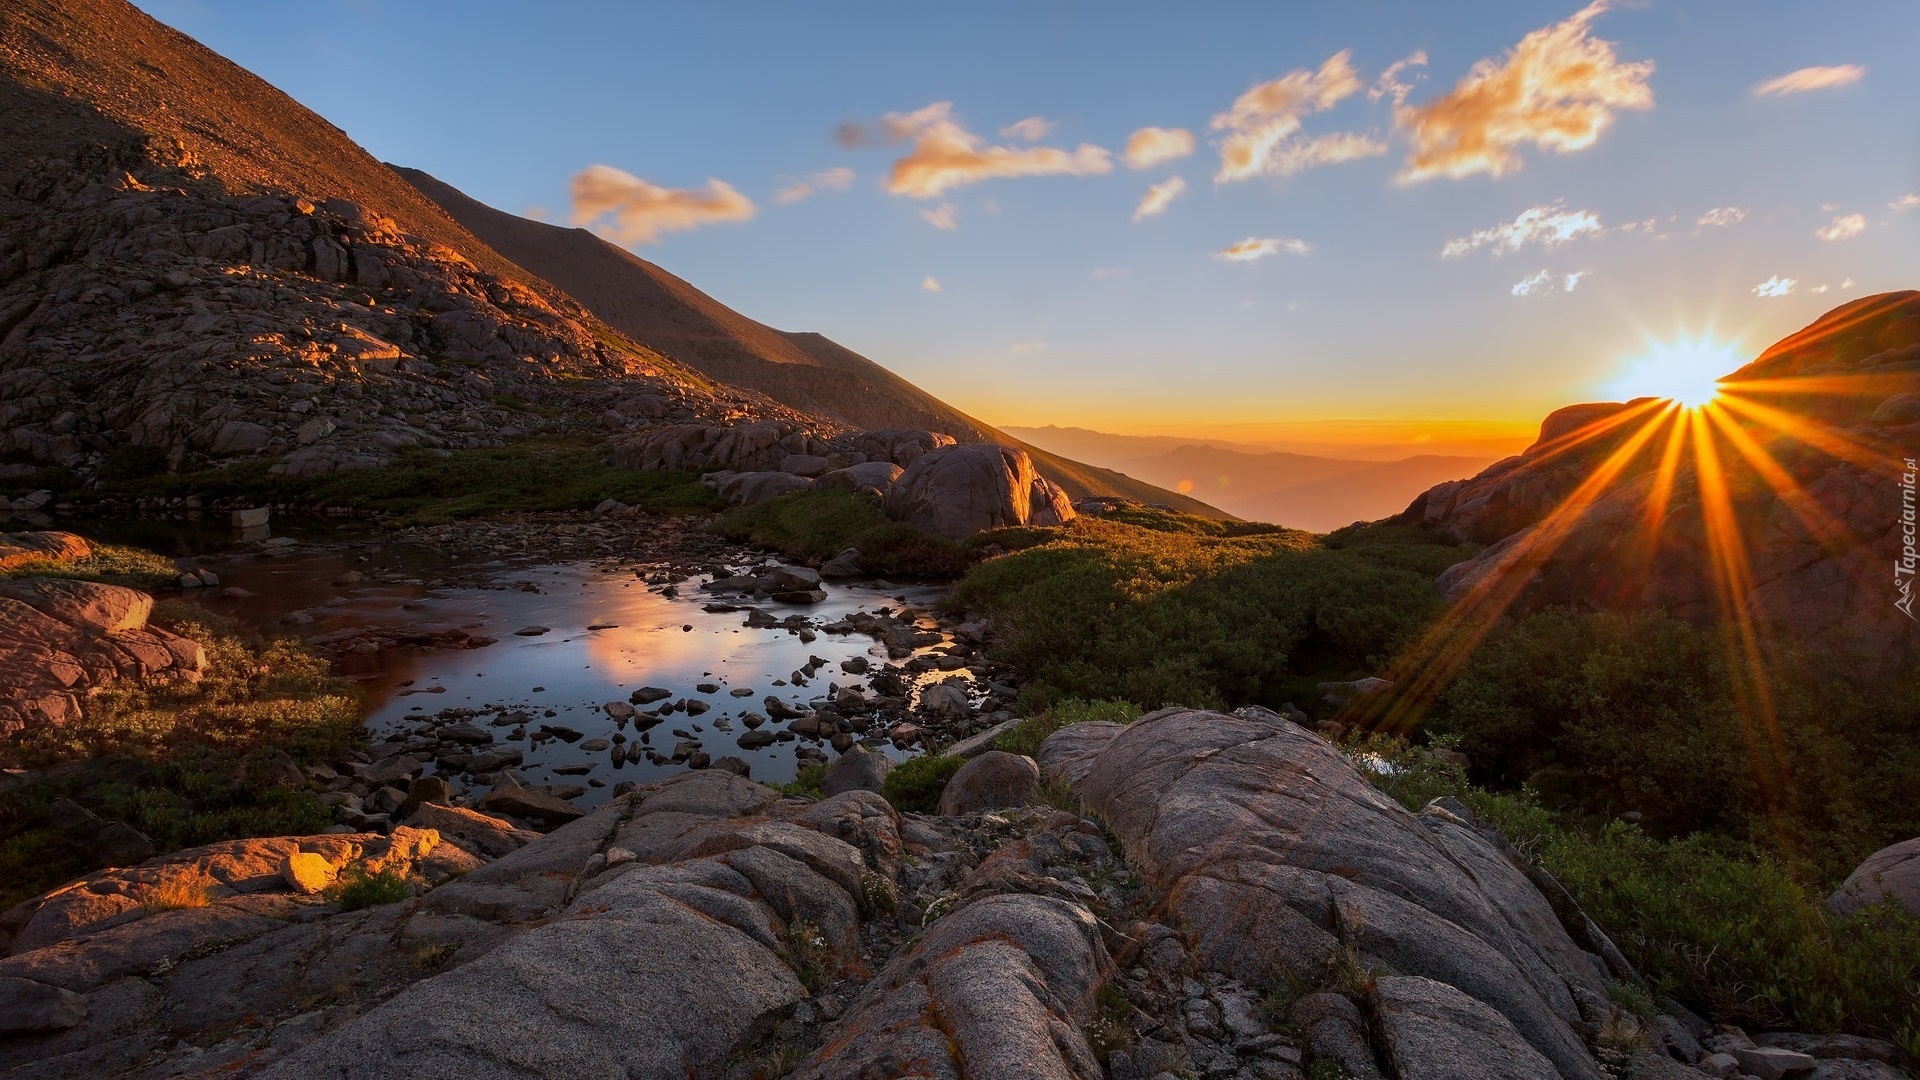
x=1002, y=251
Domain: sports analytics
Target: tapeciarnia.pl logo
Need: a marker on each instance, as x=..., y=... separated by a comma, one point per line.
x=1903, y=567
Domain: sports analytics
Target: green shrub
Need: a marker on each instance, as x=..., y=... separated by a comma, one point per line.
x=915, y=784
x=1026, y=736
x=358, y=889
x=809, y=779
x=820, y=524
x=111, y=563
x=1163, y=609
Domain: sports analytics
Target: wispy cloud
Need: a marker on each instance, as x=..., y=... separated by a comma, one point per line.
x=1556, y=90
x=930, y=283
x=1547, y=226
x=1389, y=84
x=944, y=216
x=634, y=211
x=1027, y=346
x=1261, y=120
x=1723, y=217
x=1775, y=286
x=1810, y=78
x=1844, y=227
x=1032, y=129
x=1905, y=202
x=1152, y=145
x=837, y=179
x=945, y=155
x=1158, y=198
x=1545, y=282
x=1259, y=247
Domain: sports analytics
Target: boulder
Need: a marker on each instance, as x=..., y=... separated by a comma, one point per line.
x=753, y=488
x=866, y=476
x=1280, y=858
x=522, y=802
x=477, y=833
x=994, y=780
x=809, y=465
x=18, y=549
x=1431, y=1031
x=31, y=1008
x=858, y=769
x=957, y=491
x=842, y=567
x=1773, y=1063
x=1892, y=873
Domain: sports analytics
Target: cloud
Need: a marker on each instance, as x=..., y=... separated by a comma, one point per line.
x=1259, y=247
x=1538, y=283
x=1776, y=286
x=943, y=216
x=1265, y=117
x=1032, y=129
x=1810, y=78
x=1905, y=202
x=930, y=283
x=634, y=211
x=1158, y=198
x=1547, y=226
x=1844, y=227
x=1821, y=288
x=836, y=179
x=1723, y=216
x=1847, y=284
x=1389, y=84
x=1152, y=145
x=945, y=155
x=1297, y=156
x=1027, y=346
x=1544, y=282
x=1556, y=90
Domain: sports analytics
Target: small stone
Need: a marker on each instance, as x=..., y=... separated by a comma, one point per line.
x=1769, y=1063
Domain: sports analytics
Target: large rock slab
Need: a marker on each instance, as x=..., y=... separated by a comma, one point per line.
x=1432, y=1031
x=60, y=638
x=1890, y=874
x=1281, y=858
x=956, y=491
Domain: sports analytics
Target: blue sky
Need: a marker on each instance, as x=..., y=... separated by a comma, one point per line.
x=1054, y=305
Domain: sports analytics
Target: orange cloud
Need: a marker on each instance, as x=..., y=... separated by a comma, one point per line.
x=946, y=155
x=943, y=216
x=836, y=179
x=1389, y=84
x=1557, y=90
x=634, y=211
x=1810, y=78
x=1259, y=247
x=1265, y=117
x=1844, y=227
x=1158, y=198
x=1152, y=145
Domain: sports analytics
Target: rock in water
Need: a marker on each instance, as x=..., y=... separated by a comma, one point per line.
x=994, y=780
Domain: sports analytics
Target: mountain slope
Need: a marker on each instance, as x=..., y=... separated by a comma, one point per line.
x=804, y=371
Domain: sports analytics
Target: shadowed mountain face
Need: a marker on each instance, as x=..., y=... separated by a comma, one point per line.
x=804, y=371
x=1786, y=504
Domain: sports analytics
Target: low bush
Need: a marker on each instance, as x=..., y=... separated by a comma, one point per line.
x=820, y=524
x=809, y=779
x=110, y=563
x=1166, y=609
x=915, y=784
x=358, y=889
x=1026, y=736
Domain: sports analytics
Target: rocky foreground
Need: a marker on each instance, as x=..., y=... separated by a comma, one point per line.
x=1236, y=901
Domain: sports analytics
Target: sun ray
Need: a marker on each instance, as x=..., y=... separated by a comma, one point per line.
x=1814, y=434
x=1833, y=536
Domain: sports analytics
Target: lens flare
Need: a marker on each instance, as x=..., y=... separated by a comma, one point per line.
x=1686, y=371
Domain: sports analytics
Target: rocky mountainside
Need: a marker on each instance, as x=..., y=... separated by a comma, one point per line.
x=1788, y=500
x=1239, y=902
x=805, y=371
x=193, y=265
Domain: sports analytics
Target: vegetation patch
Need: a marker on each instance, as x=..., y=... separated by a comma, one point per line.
x=1026, y=736
x=914, y=785
x=184, y=763
x=110, y=563
x=811, y=525
x=358, y=889
x=1167, y=609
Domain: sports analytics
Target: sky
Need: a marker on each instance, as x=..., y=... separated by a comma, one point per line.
x=1179, y=218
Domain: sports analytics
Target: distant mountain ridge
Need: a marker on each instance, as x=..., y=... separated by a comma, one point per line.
x=802, y=370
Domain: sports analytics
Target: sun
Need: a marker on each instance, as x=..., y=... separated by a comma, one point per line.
x=1685, y=371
